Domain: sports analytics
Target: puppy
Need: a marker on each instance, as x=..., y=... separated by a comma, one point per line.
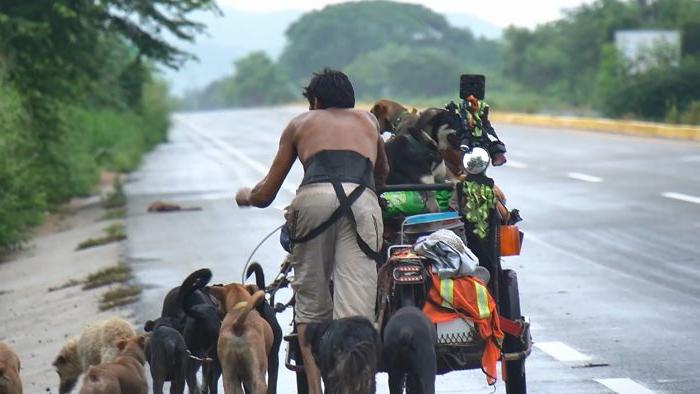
x=346, y=351
x=167, y=357
x=94, y=346
x=10, y=382
x=409, y=352
x=268, y=313
x=245, y=339
x=125, y=375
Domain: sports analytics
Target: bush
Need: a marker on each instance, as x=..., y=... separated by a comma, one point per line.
x=22, y=201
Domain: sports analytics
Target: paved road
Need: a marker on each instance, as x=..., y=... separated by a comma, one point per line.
x=609, y=272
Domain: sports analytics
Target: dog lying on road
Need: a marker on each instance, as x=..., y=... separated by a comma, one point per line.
x=10, y=382
x=245, y=339
x=409, y=352
x=125, y=375
x=167, y=359
x=94, y=346
x=189, y=310
x=346, y=351
x=268, y=313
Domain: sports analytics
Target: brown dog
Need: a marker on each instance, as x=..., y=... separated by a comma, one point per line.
x=392, y=116
x=125, y=375
x=245, y=339
x=10, y=382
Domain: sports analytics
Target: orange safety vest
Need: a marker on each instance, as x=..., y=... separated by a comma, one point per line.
x=468, y=298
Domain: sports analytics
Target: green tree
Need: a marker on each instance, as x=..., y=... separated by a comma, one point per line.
x=257, y=81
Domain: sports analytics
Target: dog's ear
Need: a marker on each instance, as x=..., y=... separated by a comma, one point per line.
x=414, y=111
x=218, y=293
x=252, y=288
x=149, y=325
x=120, y=344
x=60, y=360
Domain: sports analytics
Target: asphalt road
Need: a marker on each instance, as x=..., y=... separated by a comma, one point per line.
x=608, y=274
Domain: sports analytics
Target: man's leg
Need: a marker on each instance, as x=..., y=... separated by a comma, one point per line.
x=354, y=273
x=313, y=374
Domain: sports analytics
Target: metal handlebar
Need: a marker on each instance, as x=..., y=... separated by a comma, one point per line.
x=416, y=187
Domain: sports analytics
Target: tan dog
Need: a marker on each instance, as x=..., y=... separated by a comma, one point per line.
x=245, y=339
x=392, y=116
x=10, y=382
x=125, y=375
x=94, y=346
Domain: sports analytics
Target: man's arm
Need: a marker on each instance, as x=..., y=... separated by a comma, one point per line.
x=381, y=165
x=266, y=190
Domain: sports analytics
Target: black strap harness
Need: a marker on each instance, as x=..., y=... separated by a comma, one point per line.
x=344, y=209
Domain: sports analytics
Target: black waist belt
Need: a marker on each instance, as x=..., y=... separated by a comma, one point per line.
x=344, y=209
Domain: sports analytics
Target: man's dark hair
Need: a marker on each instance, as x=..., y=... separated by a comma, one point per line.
x=332, y=88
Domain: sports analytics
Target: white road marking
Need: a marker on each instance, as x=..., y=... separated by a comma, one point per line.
x=561, y=351
x=584, y=177
x=238, y=154
x=681, y=197
x=515, y=164
x=624, y=386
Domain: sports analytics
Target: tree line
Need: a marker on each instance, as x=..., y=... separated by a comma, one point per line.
x=79, y=93
x=408, y=52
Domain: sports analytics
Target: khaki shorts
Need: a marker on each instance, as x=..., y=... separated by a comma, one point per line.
x=333, y=254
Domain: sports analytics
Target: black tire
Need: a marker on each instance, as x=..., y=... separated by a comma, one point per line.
x=509, y=307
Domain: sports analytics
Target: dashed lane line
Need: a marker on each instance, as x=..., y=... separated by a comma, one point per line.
x=584, y=177
x=682, y=197
x=561, y=351
x=237, y=153
x=624, y=386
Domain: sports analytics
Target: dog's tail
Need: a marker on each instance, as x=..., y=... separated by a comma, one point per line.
x=195, y=281
x=257, y=269
x=246, y=307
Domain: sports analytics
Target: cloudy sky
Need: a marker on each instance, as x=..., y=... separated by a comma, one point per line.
x=525, y=13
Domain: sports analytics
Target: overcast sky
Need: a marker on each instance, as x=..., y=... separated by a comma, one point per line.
x=525, y=13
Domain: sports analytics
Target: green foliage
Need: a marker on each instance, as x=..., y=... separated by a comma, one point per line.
x=257, y=81
x=78, y=95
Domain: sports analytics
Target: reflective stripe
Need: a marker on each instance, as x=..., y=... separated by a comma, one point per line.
x=482, y=300
x=446, y=292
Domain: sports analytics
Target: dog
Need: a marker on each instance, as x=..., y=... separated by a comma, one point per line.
x=10, y=382
x=408, y=352
x=94, y=346
x=125, y=375
x=245, y=339
x=268, y=313
x=167, y=358
x=191, y=311
x=392, y=116
x=347, y=352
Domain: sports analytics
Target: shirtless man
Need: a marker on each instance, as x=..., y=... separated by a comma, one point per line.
x=344, y=160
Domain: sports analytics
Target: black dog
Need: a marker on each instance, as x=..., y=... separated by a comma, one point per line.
x=409, y=352
x=166, y=354
x=346, y=351
x=268, y=313
x=189, y=310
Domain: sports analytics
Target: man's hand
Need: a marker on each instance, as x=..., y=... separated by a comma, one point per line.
x=243, y=197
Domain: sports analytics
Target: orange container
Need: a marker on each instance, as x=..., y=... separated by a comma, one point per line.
x=510, y=240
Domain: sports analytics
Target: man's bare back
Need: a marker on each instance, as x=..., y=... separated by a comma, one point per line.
x=314, y=131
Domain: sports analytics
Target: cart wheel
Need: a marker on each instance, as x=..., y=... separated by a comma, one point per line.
x=514, y=371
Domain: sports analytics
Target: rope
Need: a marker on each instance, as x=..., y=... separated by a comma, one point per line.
x=247, y=263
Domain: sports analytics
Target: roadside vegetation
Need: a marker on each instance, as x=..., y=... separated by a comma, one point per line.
x=79, y=94
x=411, y=54
x=113, y=233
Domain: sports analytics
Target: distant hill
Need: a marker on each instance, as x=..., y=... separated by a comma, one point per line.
x=240, y=32
x=229, y=37
x=479, y=27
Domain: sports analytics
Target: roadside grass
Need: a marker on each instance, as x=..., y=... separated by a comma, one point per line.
x=120, y=296
x=116, y=198
x=118, y=273
x=114, y=232
x=114, y=213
